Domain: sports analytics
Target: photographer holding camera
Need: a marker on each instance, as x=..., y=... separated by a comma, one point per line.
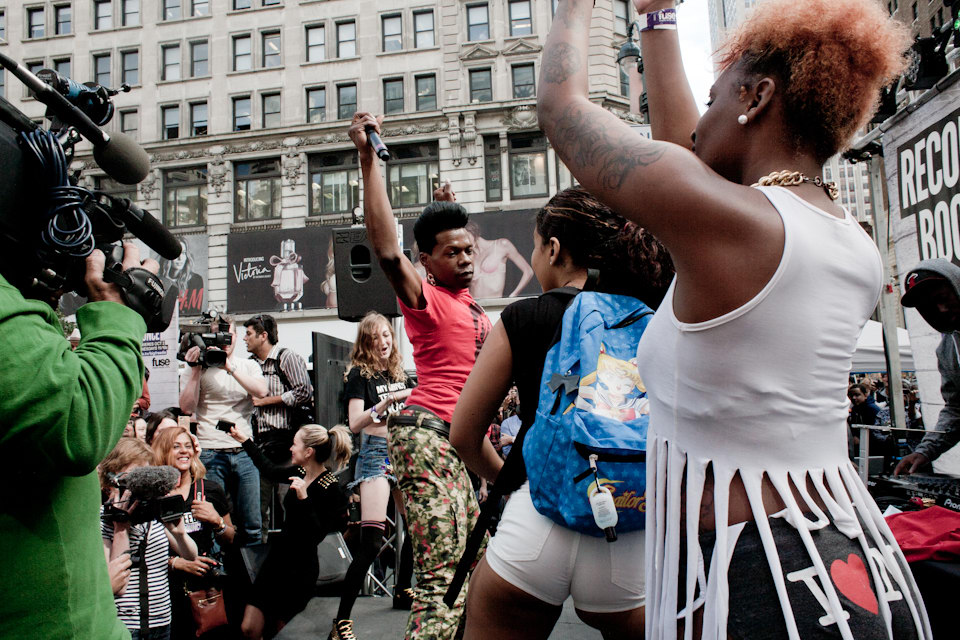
x=220, y=390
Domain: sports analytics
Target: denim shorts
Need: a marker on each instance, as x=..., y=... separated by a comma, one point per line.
x=372, y=461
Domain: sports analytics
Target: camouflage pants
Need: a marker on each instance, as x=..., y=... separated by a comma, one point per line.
x=441, y=511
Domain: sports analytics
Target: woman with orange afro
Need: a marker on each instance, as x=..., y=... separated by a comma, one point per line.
x=758, y=526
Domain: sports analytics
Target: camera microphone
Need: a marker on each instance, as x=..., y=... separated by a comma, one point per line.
x=146, y=227
x=374, y=139
x=118, y=155
x=149, y=483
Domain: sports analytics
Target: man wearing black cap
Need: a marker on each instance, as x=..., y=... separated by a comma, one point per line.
x=933, y=287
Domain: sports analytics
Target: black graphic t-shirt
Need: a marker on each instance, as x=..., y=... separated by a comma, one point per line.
x=373, y=390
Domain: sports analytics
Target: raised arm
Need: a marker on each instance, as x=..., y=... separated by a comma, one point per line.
x=378, y=217
x=673, y=110
x=526, y=271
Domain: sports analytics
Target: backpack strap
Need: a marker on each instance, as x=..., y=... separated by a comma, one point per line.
x=144, y=586
x=284, y=380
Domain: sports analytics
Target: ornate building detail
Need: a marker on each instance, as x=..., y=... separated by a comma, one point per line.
x=455, y=138
x=292, y=162
x=521, y=117
x=148, y=186
x=217, y=171
x=626, y=115
x=521, y=47
x=477, y=52
x=472, y=143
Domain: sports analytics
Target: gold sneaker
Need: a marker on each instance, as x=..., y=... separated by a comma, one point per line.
x=342, y=630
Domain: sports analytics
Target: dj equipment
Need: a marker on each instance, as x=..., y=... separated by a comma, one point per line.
x=942, y=489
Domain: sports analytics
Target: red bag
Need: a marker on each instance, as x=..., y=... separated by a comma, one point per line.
x=932, y=533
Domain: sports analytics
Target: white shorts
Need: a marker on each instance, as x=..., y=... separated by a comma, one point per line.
x=551, y=562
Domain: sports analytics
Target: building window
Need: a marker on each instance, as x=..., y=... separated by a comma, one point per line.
x=393, y=96
x=478, y=22
x=198, y=119
x=101, y=69
x=524, y=83
x=334, y=183
x=392, y=33
x=130, y=63
x=521, y=22
x=130, y=12
x=412, y=174
x=426, y=93
x=346, y=101
x=423, y=29
x=200, y=8
x=481, y=87
x=620, y=16
x=270, y=3
x=565, y=179
x=3, y=25
x=115, y=189
x=185, y=197
x=492, y=168
x=171, y=10
x=258, y=190
x=3, y=84
x=35, y=23
x=914, y=10
x=271, y=50
x=103, y=14
x=129, y=122
x=171, y=122
x=199, y=59
x=63, y=14
x=556, y=3
x=270, y=103
x=316, y=104
x=63, y=67
x=171, y=62
x=346, y=39
x=242, y=4
x=528, y=166
x=316, y=43
x=624, y=82
x=241, y=114
x=242, y=53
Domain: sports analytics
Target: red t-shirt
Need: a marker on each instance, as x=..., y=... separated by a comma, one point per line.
x=446, y=336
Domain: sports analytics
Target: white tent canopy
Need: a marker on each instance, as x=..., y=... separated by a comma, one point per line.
x=869, y=356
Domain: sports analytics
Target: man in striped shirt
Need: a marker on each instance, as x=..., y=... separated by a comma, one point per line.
x=275, y=417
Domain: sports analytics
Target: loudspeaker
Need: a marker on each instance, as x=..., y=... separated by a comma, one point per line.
x=361, y=284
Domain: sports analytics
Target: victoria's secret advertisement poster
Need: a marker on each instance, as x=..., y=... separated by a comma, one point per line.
x=503, y=242
x=282, y=270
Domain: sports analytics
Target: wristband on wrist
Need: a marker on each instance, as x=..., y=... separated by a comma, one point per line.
x=662, y=19
x=374, y=415
x=221, y=527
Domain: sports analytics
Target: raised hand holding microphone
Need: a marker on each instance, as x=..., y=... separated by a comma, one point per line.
x=363, y=130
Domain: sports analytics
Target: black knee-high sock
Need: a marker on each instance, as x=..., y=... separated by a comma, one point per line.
x=370, y=540
x=405, y=574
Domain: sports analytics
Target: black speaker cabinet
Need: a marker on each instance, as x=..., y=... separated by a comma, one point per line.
x=361, y=283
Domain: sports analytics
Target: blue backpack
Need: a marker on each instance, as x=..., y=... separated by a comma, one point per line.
x=592, y=403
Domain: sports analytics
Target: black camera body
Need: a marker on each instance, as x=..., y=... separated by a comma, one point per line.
x=165, y=509
x=212, y=347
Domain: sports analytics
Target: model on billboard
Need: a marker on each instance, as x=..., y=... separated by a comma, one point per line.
x=329, y=284
x=491, y=256
x=758, y=521
x=288, y=276
x=179, y=271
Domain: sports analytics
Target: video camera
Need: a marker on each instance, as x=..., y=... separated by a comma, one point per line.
x=49, y=224
x=205, y=336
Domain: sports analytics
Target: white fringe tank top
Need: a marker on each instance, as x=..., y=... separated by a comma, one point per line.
x=762, y=390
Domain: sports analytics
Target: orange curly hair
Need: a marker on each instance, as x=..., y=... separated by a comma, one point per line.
x=832, y=59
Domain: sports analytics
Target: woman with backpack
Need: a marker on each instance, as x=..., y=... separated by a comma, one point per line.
x=758, y=526
x=533, y=564
x=374, y=384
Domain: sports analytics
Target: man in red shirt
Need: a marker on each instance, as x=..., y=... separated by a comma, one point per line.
x=446, y=328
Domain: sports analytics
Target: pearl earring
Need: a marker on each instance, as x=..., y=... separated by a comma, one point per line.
x=742, y=119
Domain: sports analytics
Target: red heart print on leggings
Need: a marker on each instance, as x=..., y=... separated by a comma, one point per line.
x=852, y=580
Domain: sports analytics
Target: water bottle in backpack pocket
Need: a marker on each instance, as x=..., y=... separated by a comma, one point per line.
x=590, y=431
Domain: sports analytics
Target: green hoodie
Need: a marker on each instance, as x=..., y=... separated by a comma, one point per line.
x=61, y=413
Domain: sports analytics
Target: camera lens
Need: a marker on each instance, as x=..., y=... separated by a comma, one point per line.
x=215, y=358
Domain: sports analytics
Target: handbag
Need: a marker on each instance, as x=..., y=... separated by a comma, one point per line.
x=206, y=605
x=207, y=608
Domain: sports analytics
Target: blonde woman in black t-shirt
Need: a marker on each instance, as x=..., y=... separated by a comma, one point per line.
x=375, y=384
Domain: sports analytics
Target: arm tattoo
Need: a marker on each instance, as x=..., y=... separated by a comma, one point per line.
x=587, y=141
x=561, y=62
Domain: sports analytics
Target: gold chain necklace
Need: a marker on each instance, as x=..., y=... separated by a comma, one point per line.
x=793, y=178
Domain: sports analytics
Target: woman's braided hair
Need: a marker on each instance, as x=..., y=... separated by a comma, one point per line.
x=631, y=261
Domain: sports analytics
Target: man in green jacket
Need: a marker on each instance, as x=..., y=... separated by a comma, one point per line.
x=61, y=413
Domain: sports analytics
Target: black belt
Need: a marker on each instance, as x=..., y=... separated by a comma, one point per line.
x=231, y=450
x=420, y=418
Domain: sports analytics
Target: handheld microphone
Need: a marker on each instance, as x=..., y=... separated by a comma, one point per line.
x=122, y=158
x=143, y=225
x=148, y=483
x=374, y=139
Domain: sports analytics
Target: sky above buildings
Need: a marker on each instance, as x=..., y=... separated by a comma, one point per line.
x=694, y=31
